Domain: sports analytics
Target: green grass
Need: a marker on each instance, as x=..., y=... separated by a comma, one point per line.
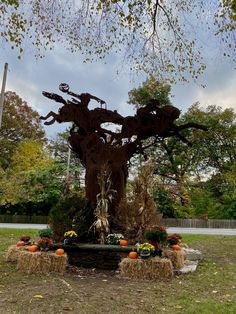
x=211, y=289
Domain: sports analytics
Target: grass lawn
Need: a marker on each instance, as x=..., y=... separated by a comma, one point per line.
x=212, y=289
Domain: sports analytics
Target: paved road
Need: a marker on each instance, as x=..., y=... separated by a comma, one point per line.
x=23, y=226
x=202, y=231
x=169, y=230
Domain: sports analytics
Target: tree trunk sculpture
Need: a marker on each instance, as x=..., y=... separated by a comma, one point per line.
x=97, y=146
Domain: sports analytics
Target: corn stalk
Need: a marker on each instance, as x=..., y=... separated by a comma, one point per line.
x=101, y=225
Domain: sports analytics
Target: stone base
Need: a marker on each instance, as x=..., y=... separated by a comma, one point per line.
x=98, y=256
x=189, y=267
x=192, y=255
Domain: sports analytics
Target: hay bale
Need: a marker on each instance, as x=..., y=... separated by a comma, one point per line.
x=41, y=262
x=13, y=253
x=176, y=257
x=151, y=268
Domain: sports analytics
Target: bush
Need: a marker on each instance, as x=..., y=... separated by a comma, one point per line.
x=72, y=213
x=48, y=233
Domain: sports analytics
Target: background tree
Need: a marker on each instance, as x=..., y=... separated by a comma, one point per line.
x=30, y=156
x=192, y=180
x=19, y=122
x=218, y=146
x=17, y=185
x=150, y=89
x=157, y=37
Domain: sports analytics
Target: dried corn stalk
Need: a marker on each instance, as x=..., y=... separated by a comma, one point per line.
x=101, y=225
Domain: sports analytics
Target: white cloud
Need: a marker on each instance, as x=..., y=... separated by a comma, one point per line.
x=29, y=77
x=224, y=97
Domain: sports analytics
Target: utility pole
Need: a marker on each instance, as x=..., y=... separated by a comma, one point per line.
x=68, y=162
x=3, y=91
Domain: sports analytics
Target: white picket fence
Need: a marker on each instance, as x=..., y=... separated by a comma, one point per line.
x=169, y=222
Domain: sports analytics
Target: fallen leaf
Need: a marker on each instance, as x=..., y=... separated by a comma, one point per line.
x=178, y=307
x=67, y=308
x=214, y=291
x=38, y=296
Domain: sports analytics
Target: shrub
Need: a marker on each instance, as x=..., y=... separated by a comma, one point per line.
x=72, y=213
x=48, y=233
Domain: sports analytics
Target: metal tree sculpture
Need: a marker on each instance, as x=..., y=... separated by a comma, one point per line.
x=97, y=146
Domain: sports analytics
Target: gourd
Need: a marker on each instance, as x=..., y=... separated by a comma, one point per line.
x=33, y=248
x=60, y=252
x=123, y=242
x=133, y=255
x=20, y=243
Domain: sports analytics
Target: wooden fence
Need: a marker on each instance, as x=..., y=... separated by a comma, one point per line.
x=199, y=223
x=23, y=219
x=169, y=222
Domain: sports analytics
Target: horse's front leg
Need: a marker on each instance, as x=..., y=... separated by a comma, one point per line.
x=192, y=125
x=50, y=114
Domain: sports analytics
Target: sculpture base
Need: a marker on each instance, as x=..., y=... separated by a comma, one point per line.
x=98, y=256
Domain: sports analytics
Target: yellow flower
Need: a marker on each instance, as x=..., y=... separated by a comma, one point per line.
x=70, y=234
x=145, y=247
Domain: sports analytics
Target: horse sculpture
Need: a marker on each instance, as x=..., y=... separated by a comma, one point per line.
x=96, y=145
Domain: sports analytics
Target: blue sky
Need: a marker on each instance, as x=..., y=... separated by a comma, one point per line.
x=28, y=77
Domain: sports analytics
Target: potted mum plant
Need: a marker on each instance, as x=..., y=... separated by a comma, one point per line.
x=145, y=250
x=156, y=235
x=114, y=238
x=45, y=244
x=173, y=239
x=26, y=240
x=70, y=237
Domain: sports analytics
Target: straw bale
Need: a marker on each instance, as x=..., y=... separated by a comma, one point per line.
x=176, y=257
x=13, y=253
x=44, y=262
x=151, y=268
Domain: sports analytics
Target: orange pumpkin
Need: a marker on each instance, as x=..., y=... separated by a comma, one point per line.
x=123, y=243
x=20, y=243
x=133, y=255
x=33, y=248
x=176, y=247
x=60, y=252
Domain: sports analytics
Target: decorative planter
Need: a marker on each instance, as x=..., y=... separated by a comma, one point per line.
x=69, y=242
x=145, y=254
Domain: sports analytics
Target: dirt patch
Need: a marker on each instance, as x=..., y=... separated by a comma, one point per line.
x=211, y=289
